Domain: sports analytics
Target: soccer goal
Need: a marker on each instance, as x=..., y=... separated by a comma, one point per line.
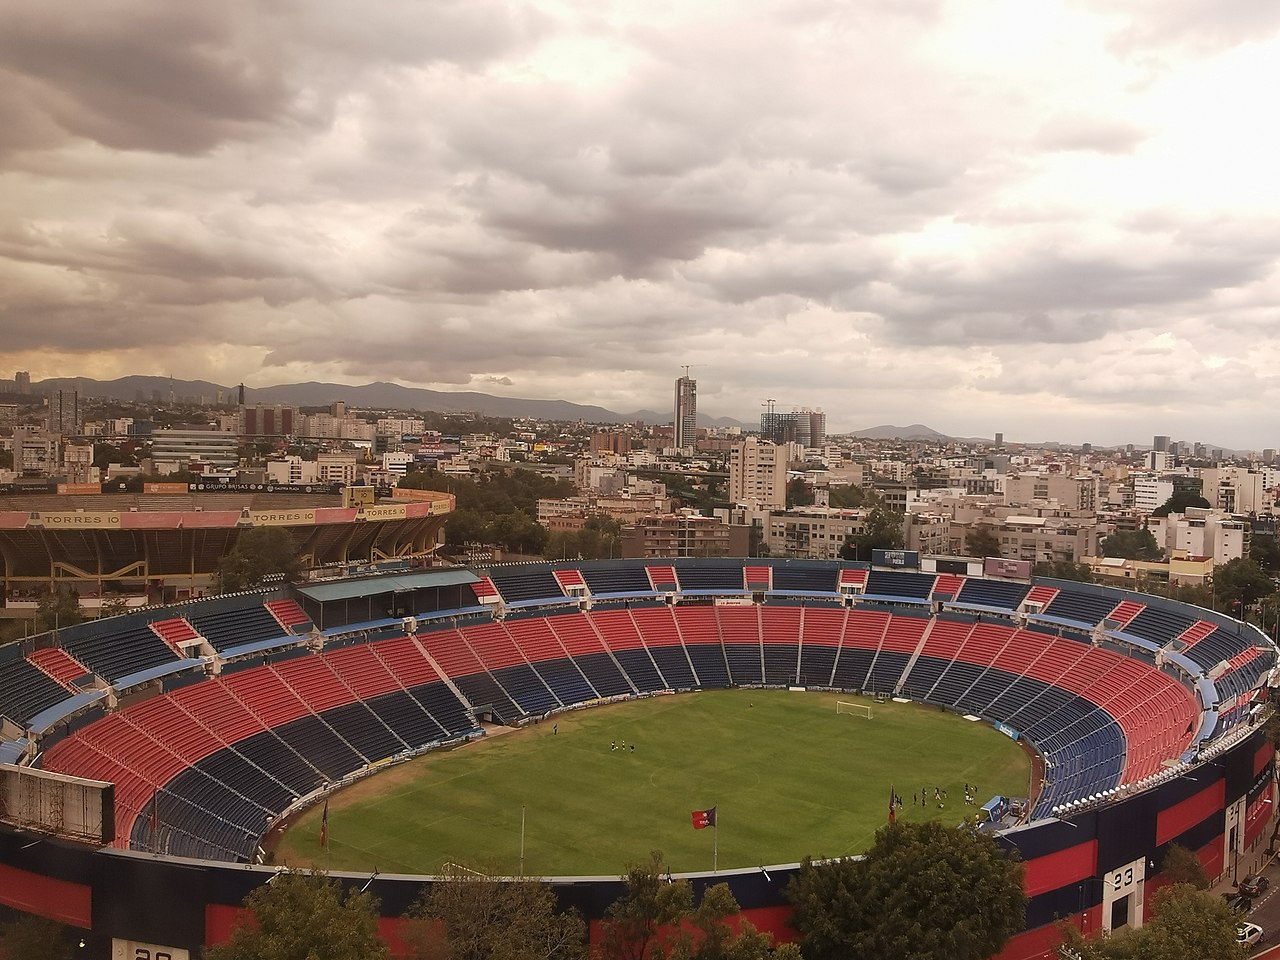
x=857, y=709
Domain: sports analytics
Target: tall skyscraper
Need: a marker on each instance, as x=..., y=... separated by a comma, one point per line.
x=686, y=422
x=1160, y=444
x=22, y=381
x=65, y=417
x=805, y=427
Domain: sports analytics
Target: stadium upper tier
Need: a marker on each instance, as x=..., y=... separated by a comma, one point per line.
x=172, y=542
x=213, y=716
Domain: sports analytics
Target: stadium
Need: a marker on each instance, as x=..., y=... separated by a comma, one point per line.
x=148, y=755
x=164, y=544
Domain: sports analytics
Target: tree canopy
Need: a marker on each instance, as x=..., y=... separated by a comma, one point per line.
x=656, y=920
x=258, y=553
x=1183, y=866
x=923, y=890
x=982, y=542
x=305, y=916
x=881, y=530
x=1132, y=545
x=34, y=938
x=472, y=917
x=1179, y=502
x=1185, y=923
x=1063, y=570
x=1241, y=581
x=58, y=609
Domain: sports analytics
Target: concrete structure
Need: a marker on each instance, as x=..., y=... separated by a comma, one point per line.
x=814, y=533
x=201, y=451
x=35, y=452
x=66, y=419
x=758, y=474
x=1077, y=492
x=1202, y=533
x=682, y=535
x=685, y=427
x=268, y=420
x=805, y=427
x=1046, y=539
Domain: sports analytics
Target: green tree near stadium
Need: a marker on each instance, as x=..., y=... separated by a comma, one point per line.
x=656, y=920
x=982, y=542
x=923, y=890
x=259, y=552
x=1186, y=923
x=58, y=609
x=474, y=917
x=305, y=916
x=35, y=938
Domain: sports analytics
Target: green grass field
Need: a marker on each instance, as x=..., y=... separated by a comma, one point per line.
x=788, y=776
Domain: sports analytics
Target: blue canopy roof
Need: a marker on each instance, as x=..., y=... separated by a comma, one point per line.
x=46, y=720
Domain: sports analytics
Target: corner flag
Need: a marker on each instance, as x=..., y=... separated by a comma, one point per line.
x=893, y=806
x=704, y=818
x=324, y=825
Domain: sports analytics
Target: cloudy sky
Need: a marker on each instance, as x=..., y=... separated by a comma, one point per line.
x=1052, y=219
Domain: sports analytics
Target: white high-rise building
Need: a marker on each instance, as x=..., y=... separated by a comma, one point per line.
x=686, y=419
x=758, y=474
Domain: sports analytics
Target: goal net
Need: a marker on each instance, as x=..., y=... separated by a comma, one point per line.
x=857, y=709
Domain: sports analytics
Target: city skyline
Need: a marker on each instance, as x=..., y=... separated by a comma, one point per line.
x=1052, y=221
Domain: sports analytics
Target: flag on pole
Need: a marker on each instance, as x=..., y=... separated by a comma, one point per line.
x=704, y=818
x=324, y=825
x=893, y=806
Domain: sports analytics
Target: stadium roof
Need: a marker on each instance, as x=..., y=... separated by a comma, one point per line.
x=350, y=589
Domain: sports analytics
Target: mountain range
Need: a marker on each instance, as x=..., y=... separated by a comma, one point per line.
x=375, y=396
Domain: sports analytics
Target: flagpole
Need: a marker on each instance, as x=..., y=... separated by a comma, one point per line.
x=522, y=840
x=715, y=842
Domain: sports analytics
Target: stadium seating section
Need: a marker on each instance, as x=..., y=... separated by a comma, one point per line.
x=200, y=769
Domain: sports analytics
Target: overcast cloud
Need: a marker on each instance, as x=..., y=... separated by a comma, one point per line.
x=1057, y=220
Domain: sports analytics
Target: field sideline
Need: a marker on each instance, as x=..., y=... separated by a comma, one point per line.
x=788, y=776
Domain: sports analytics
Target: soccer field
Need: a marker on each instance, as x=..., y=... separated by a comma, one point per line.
x=789, y=777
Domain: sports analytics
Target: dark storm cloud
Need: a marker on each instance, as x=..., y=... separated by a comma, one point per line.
x=184, y=77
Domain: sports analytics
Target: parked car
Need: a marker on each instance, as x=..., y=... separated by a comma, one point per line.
x=1240, y=902
x=1254, y=885
x=1248, y=934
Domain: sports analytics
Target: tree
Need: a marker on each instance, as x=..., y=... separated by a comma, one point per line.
x=656, y=920
x=1132, y=545
x=113, y=606
x=471, y=917
x=1063, y=570
x=34, y=938
x=846, y=496
x=1179, y=502
x=1183, y=866
x=258, y=553
x=305, y=916
x=922, y=890
x=1241, y=581
x=1185, y=923
x=58, y=609
x=881, y=530
x=982, y=542
x=1265, y=551
x=799, y=493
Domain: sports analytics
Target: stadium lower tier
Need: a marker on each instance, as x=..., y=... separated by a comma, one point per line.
x=201, y=771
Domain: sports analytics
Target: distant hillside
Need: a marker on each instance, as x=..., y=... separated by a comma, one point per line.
x=377, y=396
x=916, y=431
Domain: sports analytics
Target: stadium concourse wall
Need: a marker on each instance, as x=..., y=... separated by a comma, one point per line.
x=1097, y=866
